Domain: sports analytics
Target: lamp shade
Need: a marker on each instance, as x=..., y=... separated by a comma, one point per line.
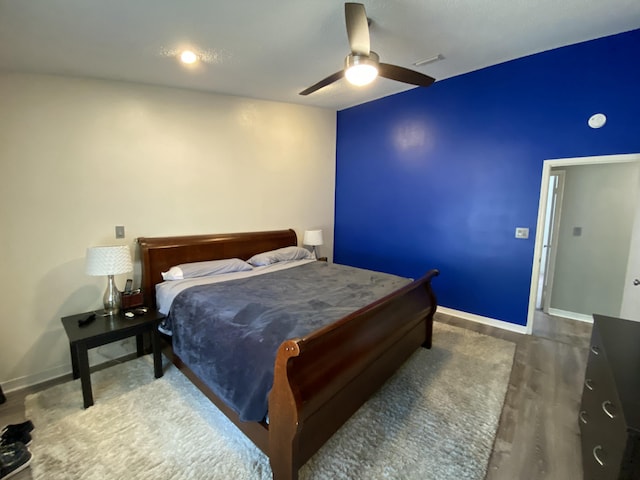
x=313, y=237
x=108, y=260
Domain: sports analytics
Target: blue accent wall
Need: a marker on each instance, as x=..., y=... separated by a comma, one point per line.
x=440, y=177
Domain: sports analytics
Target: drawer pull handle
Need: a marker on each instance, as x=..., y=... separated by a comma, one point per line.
x=595, y=349
x=589, y=384
x=605, y=407
x=596, y=449
x=583, y=417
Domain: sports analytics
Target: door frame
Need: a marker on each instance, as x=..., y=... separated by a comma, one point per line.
x=554, y=227
x=544, y=191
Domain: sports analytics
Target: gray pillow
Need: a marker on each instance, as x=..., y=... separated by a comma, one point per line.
x=280, y=255
x=205, y=269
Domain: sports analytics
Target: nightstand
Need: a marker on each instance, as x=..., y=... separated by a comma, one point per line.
x=104, y=330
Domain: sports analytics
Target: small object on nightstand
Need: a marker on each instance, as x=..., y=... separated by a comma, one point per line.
x=129, y=314
x=86, y=320
x=132, y=299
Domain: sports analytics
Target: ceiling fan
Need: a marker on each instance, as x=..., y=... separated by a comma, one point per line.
x=362, y=65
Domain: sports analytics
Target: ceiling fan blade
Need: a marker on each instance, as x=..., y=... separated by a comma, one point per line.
x=323, y=83
x=404, y=75
x=357, y=28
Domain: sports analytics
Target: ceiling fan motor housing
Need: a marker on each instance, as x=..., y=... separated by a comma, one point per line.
x=354, y=59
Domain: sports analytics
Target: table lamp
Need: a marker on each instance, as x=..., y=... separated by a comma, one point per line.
x=313, y=238
x=109, y=260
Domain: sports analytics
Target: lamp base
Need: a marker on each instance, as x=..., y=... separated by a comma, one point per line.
x=111, y=298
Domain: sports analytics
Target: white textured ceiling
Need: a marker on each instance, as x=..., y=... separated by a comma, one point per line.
x=273, y=49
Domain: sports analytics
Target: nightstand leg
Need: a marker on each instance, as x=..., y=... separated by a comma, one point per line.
x=85, y=377
x=74, y=361
x=157, y=354
x=140, y=344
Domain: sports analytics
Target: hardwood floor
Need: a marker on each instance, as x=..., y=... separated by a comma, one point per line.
x=538, y=437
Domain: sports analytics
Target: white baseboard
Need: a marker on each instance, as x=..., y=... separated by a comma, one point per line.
x=115, y=351
x=484, y=320
x=571, y=315
x=40, y=377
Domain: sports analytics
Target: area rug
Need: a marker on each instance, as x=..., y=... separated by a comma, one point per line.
x=436, y=418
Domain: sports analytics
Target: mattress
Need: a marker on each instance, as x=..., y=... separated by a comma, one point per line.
x=229, y=332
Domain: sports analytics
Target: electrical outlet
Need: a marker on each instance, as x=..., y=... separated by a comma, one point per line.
x=522, y=232
x=119, y=231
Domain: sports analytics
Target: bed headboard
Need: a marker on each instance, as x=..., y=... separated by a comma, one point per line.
x=159, y=254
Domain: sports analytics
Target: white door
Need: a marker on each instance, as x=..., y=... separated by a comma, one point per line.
x=556, y=187
x=631, y=295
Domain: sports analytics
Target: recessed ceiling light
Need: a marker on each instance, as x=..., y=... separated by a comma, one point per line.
x=188, y=57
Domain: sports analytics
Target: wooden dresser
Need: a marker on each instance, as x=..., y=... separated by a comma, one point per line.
x=610, y=411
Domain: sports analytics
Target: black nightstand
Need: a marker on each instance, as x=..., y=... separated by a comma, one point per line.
x=103, y=330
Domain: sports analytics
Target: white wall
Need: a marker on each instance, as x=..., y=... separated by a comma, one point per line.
x=79, y=156
x=590, y=269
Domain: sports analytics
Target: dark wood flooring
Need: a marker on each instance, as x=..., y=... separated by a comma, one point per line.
x=538, y=437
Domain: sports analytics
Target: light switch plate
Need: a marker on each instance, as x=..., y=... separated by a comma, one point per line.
x=522, y=232
x=119, y=231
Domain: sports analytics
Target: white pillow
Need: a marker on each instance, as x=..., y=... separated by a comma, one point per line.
x=205, y=269
x=280, y=255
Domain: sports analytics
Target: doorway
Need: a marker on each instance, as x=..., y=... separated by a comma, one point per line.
x=550, y=234
x=539, y=250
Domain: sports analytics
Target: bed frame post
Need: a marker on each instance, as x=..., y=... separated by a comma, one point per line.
x=284, y=421
x=434, y=302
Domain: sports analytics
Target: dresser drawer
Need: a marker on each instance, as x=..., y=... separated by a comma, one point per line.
x=597, y=463
x=600, y=401
x=603, y=438
x=602, y=450
x=598, y=376
x=599, y=381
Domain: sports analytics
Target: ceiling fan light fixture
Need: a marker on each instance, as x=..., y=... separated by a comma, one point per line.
x=363, y=65
x=361, y=70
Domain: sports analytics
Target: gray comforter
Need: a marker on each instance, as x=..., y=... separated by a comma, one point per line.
x=228, y=333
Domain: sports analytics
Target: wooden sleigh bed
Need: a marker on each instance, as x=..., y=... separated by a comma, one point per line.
x=320, y=380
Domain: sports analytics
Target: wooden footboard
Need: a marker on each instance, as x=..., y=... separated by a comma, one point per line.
x=322, y=379
x=319, y=380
